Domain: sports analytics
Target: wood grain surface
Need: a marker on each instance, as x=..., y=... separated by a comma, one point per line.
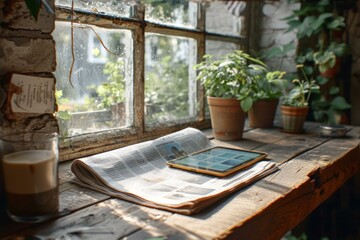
x=311, y=169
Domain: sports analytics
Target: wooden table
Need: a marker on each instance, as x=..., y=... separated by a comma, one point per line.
x=311, y=169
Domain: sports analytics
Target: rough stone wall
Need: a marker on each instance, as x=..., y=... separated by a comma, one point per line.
x=26, y=48
x=273, y=33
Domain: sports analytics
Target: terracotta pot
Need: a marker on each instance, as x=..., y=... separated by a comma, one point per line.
x=227, y=118
x=293, y=118
x=262, y=113
x=331, y=72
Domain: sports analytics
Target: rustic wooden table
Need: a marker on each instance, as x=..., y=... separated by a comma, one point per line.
x=311, y=169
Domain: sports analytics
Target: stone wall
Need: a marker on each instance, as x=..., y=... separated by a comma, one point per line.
x=273, y=33
x=27, y=49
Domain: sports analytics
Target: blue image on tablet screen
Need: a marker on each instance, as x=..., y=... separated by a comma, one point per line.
x=220, y=167
x=200, y=156
x=232, y=162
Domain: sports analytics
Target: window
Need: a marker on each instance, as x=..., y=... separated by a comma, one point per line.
x=132, y=67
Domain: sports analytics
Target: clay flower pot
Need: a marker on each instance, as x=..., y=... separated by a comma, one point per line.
x=262, y=113
x=293, y=118
x=227, y=118
x=331, y=72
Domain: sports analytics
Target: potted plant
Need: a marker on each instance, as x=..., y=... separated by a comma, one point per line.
x=329, y=60
x=227, y=83
x=266, y=93
x=295, y=105
x=321, y=49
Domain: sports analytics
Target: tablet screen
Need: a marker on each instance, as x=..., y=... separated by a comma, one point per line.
x=218, y=160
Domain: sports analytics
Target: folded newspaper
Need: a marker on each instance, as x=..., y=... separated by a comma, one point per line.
x=139, y=174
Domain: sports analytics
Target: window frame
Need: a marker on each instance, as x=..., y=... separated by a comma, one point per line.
x=92, y=143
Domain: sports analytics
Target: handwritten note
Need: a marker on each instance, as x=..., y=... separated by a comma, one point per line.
x=34, y=94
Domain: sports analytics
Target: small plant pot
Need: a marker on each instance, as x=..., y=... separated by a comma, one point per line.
x=293, y=118
x=227, y=118
x=331, y=72
x=262, y=113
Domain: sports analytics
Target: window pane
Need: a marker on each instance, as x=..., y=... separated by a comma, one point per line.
x=106, y=7
x=170, y=79
x=231, y=14
x=100, y=98
x=175, y=13
x=219, y=48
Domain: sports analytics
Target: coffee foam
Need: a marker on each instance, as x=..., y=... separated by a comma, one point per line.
x=30, y=172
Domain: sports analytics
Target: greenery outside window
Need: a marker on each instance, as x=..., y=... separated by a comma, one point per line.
x=133, y=74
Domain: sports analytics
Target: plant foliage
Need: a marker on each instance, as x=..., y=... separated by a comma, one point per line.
x=269, y=86
x=232, y=76
x=299, y=95
x=321, y=21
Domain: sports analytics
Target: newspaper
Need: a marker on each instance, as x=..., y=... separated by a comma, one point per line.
x=139, y=174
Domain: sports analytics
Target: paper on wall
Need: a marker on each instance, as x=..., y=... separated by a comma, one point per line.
x=34, y=95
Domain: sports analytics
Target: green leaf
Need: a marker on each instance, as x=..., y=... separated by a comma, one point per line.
x=34, y=7
x=317, y=25
x=322, y=80
x=306, y=27
x=273, y=52
x=288, y=47
x=293, y=24
x=324, y=3
x=300, y=59
x=325, y=60
x=278, y=51
x=315, y=90
x=320, y=104
x=308, y=70
x=334, y=90
x=339, y=103
x=337, y=23
x=339, y=49
x=246, y=103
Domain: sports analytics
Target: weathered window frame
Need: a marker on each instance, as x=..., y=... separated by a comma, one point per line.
x=93, y=143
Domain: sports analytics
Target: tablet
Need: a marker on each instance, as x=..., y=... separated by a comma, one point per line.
x=217, y=161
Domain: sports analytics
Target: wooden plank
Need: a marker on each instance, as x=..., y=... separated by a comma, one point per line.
x=269, y=203
x=111, y=219
x=325, y=180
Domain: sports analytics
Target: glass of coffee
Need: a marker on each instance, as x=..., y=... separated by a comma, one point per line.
x=30, y=171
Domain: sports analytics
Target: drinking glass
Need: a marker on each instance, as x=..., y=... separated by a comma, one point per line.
x=30, y=171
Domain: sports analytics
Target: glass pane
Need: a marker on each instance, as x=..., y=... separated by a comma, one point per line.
x=219, y=48
x=232, y=17
x=170, y=79
x=106, y=7
x=100, y=97
x=181, y=13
